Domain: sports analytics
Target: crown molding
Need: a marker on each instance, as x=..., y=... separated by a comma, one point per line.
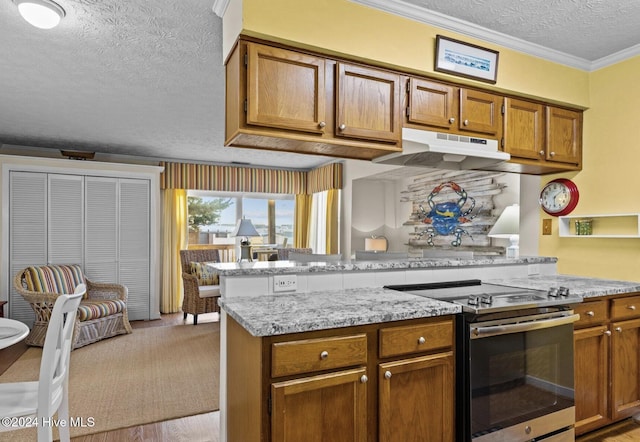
x=220, y=7
x=412, y=12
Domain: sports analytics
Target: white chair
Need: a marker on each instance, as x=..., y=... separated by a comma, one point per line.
x=314, y=257
x=41, y=399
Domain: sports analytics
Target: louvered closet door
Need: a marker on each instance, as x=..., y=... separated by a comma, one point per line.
x=134, y=263
x=27, y=233
x=101, y=229
x=45, y=226
x=65, y=219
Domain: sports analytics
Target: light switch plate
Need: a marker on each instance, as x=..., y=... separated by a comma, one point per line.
x=546, y=226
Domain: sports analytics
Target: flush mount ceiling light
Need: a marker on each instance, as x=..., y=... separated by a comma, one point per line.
x=43, y=14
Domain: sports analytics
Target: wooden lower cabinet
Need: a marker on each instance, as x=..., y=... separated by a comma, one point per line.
x=415, y=402
x=606, y=361
x=591, y=380
x=625, y=368
x=336, y=385
x=328, y=407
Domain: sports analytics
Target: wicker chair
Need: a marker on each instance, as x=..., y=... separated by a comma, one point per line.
x=102, y=312
x=198, y=298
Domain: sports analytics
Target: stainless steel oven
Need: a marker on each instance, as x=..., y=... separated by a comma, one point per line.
x=520, y=375
x=514, y=361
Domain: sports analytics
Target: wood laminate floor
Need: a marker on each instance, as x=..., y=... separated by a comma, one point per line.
x=205, y=427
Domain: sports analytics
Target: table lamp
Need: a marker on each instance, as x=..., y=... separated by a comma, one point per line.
x=245, y=229
x=508, y=226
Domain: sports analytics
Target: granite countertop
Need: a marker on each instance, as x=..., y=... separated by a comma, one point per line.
x=283, y=267
x=579, y=285
x=301, y=312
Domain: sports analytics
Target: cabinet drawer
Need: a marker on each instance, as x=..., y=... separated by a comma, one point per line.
x=591, y=313
x=623, y=308
x=415, y=338
x=310, y=355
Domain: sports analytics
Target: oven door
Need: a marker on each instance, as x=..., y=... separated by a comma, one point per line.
x=521, y=377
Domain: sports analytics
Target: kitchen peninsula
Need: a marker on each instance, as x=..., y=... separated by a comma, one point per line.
x=334, y=343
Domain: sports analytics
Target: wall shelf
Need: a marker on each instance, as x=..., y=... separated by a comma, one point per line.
x=615, y=225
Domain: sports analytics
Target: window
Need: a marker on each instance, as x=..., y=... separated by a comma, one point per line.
x=271, y=215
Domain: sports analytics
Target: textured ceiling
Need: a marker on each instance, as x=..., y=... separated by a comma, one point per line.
x=586, y=34
x=146, y=78
x=590, y=29
x=136, y=77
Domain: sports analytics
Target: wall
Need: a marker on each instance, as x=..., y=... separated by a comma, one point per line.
x=345, y=28
x=609, y=177
x=383, y=206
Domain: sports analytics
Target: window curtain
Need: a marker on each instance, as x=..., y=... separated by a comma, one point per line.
x=301, y=221
x=332, y=224
x=174, y=239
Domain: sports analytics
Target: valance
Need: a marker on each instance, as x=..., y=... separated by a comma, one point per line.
x=249, y=179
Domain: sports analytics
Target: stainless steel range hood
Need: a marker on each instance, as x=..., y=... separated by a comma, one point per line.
x=422, y=148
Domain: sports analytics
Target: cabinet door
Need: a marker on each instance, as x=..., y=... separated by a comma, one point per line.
x=479, y=112
x=368, y=104
x=330, y=407
x=564, y=135
x=432, y=104
x=523, y=129
x=625, y=368
x=416, y=399
x=591, y=374
x=285, y=89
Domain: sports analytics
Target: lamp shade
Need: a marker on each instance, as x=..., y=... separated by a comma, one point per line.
x=43, y=14
x=375, y=244
x=508, y=223
x=245, y=228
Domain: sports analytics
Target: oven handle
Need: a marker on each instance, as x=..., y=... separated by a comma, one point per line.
x=496, y=330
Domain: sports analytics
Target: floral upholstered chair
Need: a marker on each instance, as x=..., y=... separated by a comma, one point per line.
x=201, y=282
x=102, y=312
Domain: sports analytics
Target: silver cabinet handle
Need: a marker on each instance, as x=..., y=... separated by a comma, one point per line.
x=541, y=153
x=342, y=127
x=324, y=355
x=590, y=313
x=619, y=329
x=421, y=340
x=553, y=154
x=631, y=307
x=466, y=122
x=322, y=124
x=607, y=332
x=364, y=379
x=452, y=120
x=387, y=374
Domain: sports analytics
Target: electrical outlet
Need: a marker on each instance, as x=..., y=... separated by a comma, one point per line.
x=285, y=283
x=546, y=226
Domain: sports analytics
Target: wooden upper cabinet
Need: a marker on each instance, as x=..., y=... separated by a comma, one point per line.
x=286, y=89
x=523, y=130
x=367, y=103
x=479, y=112
x=564, y=135
x=432, y=104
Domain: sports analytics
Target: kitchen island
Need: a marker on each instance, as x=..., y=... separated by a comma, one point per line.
x=283, y=337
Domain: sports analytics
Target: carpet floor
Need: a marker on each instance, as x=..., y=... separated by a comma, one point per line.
x=151, y=375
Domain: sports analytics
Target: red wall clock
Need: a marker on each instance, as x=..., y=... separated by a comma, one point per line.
x=559, y=197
